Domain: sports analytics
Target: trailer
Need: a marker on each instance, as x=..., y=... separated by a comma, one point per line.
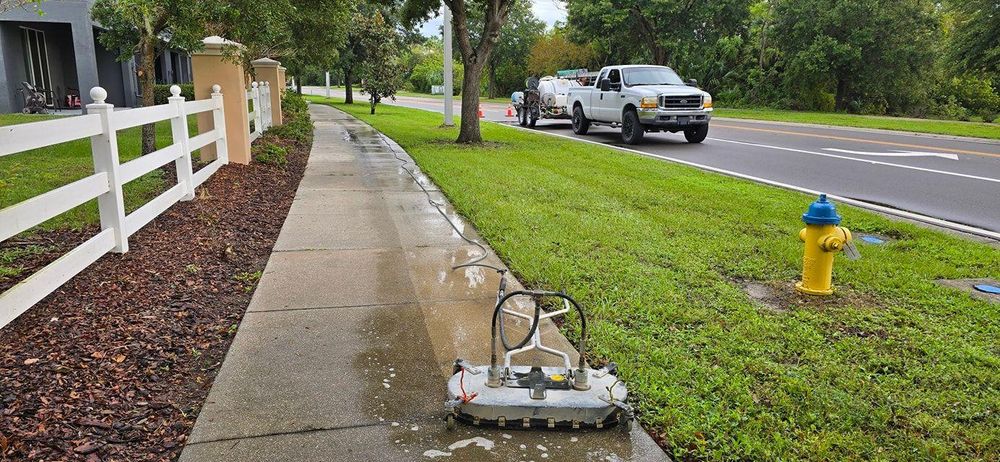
x=543, y=98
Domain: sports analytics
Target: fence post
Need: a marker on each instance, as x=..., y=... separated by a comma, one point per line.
x=255, y=90
x=219, y=119
x=267, y=104
x=270, y=72
x=179, y=130
x=104, y=148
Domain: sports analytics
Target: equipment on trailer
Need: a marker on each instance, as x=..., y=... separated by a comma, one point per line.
x=34, y=100
x=532, y=396
x=543, y=98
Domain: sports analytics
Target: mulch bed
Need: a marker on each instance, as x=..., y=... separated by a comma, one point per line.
x=117, y=363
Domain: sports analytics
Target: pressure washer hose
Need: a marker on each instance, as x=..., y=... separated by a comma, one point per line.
x=475, y=262
x=534, y=324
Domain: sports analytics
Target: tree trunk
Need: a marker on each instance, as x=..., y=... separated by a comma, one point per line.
x=147, y=57
x=841, y=98
x=298, y=85
x=469, y=130
x=348, y=90
x=493, y=81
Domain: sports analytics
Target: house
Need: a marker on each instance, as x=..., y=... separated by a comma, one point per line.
x=59, y=54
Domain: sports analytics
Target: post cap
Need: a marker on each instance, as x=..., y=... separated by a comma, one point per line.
x=175, y=91
x=98, y=94
x=253, y=84
x=216, y=88
x=821, y=212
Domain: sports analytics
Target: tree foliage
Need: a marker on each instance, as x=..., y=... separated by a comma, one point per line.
x=869, y=56
x=554, y=51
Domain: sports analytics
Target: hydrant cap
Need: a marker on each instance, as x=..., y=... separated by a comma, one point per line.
x=821, y=212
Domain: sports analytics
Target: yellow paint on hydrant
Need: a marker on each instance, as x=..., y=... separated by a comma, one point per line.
x=823, y=238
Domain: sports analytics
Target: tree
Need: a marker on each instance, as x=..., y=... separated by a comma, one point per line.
x=475, y=52
x=10, y=5
x=138, y=27
x=381, y=69
x=426, y=66
x=554, y=51
x=976, y=39
x=510, y=55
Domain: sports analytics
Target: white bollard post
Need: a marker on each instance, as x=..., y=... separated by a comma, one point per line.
x=104, y=148
x=327, y=84
x=179, y=131
x=219, y=121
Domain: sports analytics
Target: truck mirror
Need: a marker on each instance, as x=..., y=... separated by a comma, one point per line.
x=605, y=84
x=692, y=83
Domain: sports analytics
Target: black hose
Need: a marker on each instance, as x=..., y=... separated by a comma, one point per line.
x=534, y=325
x=439, y=207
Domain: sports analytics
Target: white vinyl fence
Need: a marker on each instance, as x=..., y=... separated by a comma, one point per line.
x=260, y=97
x=101, y=125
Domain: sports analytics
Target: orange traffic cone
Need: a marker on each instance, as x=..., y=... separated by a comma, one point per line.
x=481, y=115
x=510, y=110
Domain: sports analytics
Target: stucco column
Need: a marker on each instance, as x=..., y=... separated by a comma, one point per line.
x=209, y=67
x=281, y=77
x=267, y=69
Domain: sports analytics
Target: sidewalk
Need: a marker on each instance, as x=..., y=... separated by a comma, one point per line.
x=346, y=346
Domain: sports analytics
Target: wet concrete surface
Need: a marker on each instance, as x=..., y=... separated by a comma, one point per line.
x=346, y=348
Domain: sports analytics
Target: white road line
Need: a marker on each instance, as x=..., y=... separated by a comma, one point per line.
x=866, y=161
x=895, y=153
x=847, y=200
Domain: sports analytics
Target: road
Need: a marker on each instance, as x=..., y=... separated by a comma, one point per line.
x=946, y=178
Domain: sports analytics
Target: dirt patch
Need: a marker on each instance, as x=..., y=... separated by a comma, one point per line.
x=116, y=364
x=968, y=286
x=781, y=297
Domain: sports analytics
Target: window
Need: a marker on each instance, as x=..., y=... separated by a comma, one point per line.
x=615, y=76
x=651, y=76
x=597, y=83
x=36, y=58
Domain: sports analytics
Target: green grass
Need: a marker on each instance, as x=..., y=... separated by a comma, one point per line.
x=895, y=367
x=939, y=127
x=483, y=99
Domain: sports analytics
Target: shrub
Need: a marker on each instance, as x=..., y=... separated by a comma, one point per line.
x=292, y=103
x=271, y=154
x=295, y=128
x=162, y=91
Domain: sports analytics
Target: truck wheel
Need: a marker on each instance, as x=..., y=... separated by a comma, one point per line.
x=580, y=123
x=697, y=134
x=632, y=129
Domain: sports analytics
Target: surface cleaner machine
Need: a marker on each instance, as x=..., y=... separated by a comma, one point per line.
x=530, y=396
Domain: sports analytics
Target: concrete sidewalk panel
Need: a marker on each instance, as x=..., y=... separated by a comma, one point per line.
x=325, y=201
x=291, y=371
x=332, y=278
x=435, y=280
x=337, y=231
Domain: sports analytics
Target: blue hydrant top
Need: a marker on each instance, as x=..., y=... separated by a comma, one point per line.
x=821, y=212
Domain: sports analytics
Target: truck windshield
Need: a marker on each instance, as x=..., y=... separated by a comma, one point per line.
x=651, y=76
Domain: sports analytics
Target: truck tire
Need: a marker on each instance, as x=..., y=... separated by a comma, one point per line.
x=632, y=129
x=580, y=122
x=697, y=134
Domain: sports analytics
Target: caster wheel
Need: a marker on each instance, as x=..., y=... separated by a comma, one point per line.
x=449, y=422
x=625, y=423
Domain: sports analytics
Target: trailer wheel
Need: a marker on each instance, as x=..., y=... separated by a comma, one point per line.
x=522, y=119
x=580, y=123
x=532, y=120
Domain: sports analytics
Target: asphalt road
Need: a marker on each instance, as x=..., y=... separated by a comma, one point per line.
x=952, y=179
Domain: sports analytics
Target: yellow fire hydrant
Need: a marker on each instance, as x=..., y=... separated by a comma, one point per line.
x=823, y=239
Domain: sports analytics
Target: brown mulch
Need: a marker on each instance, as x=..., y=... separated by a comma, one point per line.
x=115, y=365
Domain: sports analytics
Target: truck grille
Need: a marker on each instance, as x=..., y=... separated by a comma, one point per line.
x=680, y=102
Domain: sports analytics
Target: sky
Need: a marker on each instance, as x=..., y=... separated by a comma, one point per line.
x=549, y=11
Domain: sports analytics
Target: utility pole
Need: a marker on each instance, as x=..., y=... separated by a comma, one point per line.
x=449, y=119
x=327, y=84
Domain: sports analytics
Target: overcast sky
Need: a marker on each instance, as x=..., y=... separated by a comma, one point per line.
x=549, y=11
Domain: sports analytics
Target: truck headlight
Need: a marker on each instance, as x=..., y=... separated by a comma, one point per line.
x=708, y=102
x=648, y=102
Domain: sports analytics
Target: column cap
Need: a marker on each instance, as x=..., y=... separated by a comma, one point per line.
x=214, y=45
x=265, y=62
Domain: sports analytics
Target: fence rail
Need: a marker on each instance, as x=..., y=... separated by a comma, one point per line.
x=101, y=125
x=259, y=95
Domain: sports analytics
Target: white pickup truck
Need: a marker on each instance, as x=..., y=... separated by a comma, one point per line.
x=640, y=99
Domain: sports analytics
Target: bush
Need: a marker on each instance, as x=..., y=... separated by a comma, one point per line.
x=271, y=154
x=161, y=92
x=292, y=103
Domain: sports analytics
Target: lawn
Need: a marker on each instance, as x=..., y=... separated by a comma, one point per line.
x=939, y=127
x=894, y=367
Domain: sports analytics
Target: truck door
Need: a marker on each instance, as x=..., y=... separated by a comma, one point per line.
x=608, y=101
